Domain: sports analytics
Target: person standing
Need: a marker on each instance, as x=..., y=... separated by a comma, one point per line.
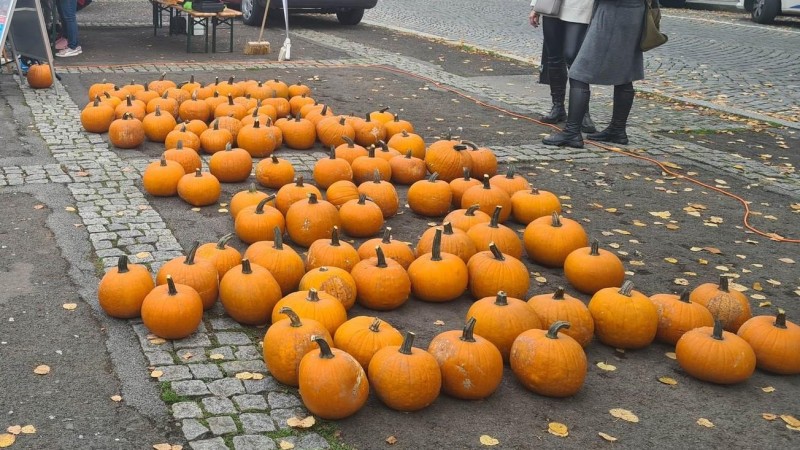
x=563, y=36
x=67, y=9
x=610, y=56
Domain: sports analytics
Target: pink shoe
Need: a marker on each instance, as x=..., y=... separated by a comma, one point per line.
x=61, y=43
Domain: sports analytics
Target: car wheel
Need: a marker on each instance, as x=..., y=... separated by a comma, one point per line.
x=748, y=5
x=252, y=12
x=349, y=16
x=673, y=3
x=764, y=11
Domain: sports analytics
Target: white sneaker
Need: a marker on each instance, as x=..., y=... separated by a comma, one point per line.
x=70, y=52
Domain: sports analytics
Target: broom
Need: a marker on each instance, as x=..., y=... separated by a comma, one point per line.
x=259, y=47
x=285, y=53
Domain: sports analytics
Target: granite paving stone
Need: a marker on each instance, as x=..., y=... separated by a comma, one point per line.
x=256, y=422
x=218, y=405
x=251, y=402
x=190, y=388
x=311, y=441
x=268, y=383
x=234, y=367
x=253, y=442
x=233, y=338
x=193, y=429
x=186, y=410
x=209, y=444
x=249, y=352
x=222, y=425
x=281, y=400
x=226, y=387
x=206, y=371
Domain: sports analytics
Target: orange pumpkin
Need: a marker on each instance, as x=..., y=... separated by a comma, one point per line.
x=677, y=315
x=363, y=336
x=199, y=274
x=248, y=292
x=172, y=311
x=399, y=251
x=333, y=280
x=465, y=218
x=123, y=289
x=500, y=319
x=431, y=197
x=331, y=252
x=330, y=170
x=282, y=261
x=560, y=306
x=489, y=198
x=161, y=178
x=714, y=355
x=259, y=222
x=232, y=165
x=727, y=305
x=506, y=239
x=448, y=158
x=589, y=269
x=220, y=254
x=313, y=304
x=199, y=188
x=491, y=271
x=775, y=341
x=624, y=318
x=383, y=193
x=274, y=172
x=311, y=219
x=39, y=76
x=287, y=341
x=529, y=205
x=549, y=240
x=361, y=218
x=438, y=276
x=547, y=363
x=381, y=283
x=248, y=197
x=454, y=241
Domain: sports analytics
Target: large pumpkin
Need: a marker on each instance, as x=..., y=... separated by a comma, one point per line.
x=431, y=197
x=448, y=158
x=501, y=319
x=172, y=311
x=547, y=363
x=287, y=341
x=775, y=342
x=624, y=318
x=714, y=355
x=727, y=305
x=363, y=336
x=311, y=219
x=123, y=289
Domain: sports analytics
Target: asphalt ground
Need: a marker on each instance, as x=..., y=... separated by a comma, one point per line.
x=613, y=196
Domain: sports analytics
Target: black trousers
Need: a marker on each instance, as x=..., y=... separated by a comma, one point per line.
x=562, y=39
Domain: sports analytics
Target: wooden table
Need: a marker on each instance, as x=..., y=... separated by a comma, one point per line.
x=219, y=20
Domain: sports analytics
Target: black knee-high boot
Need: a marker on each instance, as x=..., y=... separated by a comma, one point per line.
x=615, y=131
x=571, y=136
x=557, y=75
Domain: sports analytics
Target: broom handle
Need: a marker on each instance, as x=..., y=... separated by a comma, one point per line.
x=263, y=21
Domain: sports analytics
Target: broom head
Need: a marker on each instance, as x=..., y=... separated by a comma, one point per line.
x=256, y=48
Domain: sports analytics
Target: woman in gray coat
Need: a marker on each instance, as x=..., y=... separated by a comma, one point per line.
x=610, y=55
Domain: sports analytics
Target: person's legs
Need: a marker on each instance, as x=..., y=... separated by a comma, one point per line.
x=573, y=38
x=68, y=8
x=623, y=102
x=553, y=32
x=571, y=136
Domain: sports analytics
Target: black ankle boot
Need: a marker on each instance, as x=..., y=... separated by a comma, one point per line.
x=588, y=126
x=571, y=136
x=615, y=131
x=557, y=77
x=557, y=114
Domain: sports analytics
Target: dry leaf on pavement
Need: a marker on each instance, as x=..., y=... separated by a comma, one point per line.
x=285, y=445
x=790, y=420
x=705, y=423
x=769, y=416
x=14, y=429
x=624, y=414
x=41, y=370
x=69, y=306
x=668, y=380
x=28, y=429
x=607, y=437
x=156, y=373
x=558, y=429
x=7, y=440
x=116, y=398
x=768, y=389
x=296, y=422
x=488, y=440
x=391, y=440
x=606, y=367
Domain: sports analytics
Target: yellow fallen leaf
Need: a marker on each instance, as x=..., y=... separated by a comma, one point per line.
x=624, y=414
x=391, y=440
x=764, y=304
x=7, y=440
x=439, y=322
x=222, y=210
x=285, y=445
x=769, y=416
x=157, y=341
x=69, y=208
x=607, y=437
x=671, y=260
x=38, y=206
x=216, y=356
x=116, y=398
x=558, y=429
x=606, y=367
x=616, y=230
x=306, y=422
x=611, y=210
x=28, y=429
x=69, y=306
x=156, y=373
x=757, y=286
x=668, y=380
x=258, y=376
x=681, y=281
x=671, y=165
x=14, y=429
x=790, y=420
x=196, y=209
x=488, y=440
x=143, y=255
x=540, y=279
x=705, y=423
x=713, y=250
x=41, y=370
x=768, y=389
x=702, y=261
x=661, y=214
x=162, y=446
x=244, y=376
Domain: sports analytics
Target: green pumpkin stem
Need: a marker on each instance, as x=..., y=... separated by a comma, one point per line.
x=171, y=286
x=293, y=317
x=559, y=293
x=387, y=236
x=627, y=288
x=277, y=239
x=190, y=256
x=556, y=220
x=324, y=348
x=471, y=210
x=335, y=237
x=501, y=299
x=436, y=248
x=122, y=264
x=468, y=335
x=433, y=177
x=408, y=342
x=552, y=332
x=260, y=206
x=375, y=326
x=780, y=319
x=718, y=328
x=381, y=257
x=223, y=241
x=495, y=221
x=498, y=255
x=594, y=249
x=246, y=269
x=510, y=172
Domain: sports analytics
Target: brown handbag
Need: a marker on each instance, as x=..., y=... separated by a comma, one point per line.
x=652, y=36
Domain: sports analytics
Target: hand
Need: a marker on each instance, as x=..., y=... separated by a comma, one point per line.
x=534, y=19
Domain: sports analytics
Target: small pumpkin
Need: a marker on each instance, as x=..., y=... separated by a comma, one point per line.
x=313, y=304
x=363, y=336
x=547, y=363
x=194, y=108
x=367, y=131
x=233, y=165
x=342, y=192
x=438, y=276
x=290, y=193
x=220, y=254
x=381, y=283
x=365, y=168
x=287, y=341
x=248, y=197
x=330, y=131
x=187, y=158
x=199, y=274
x=157, y=125
x=589, y=269
x=349, y=151
x=549, y=240
x=623, y=317
x=248, y=292
x=465, y=218
x=454, y=241
x=123, y=289
x=677, y=315
x=259, y=222
x=511, y=182
x=728, y=305
x=489, y=198
x=460, y=185
x=397, y=126
x=405, y=378
x=331, y=252
x=491, y=271
x=529, y=205
x=448, y=158
x=183, y=135
x=501, y=318
x=172, y=310
x=199, y=188
x=333, y=385
x=39, y=76
x=405, y=142
x=161, y=178
x=135, y=107
x=259, y=140
x=484, y=161
x=274, y=172
x=298, y=133
x=472, y=367
x=382, y=150
x=361, y=218
x=311, y=219
x=333, y=280
x=506, y=239
x=96, y=117
x=775, y=341
x=215, y=138
x=714, y=355
x=399, y=251
x=431, y=197
x=407, y=169
x=283, y=262
x=297, y=102
x=330, y=170
x=126, y=132
x=383, y=193
x=560, y=306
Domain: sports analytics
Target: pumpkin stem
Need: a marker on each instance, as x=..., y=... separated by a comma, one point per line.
x=498, y=255
x=223, y=241
x=324, y=348
x=486, y=184
x=684, y=297
x=468, y=334
x=332, y=154
x=277, y=239
x=381, y=257
x=263, y=202
x=510, y=172
x=447, y=228
x=627, y=288
x=470, y=144
x=433, y=177
x=408, y=342
x=534, y=191
x=256, y=123
x=556, y=220
x=362, y=199
x=163, y=160
x=252, y=189
x=718, y=328
x=312, y=198
x=179, y=144
x=387, y=236
x=275, y=160
x=122, y=264
x=335, y=237
x=465, y=171
x=724, y=284
x=228, y=146
x=436, y=249
x=471, y=210
x=376, y=176
x=375, y=326
x=371, y=151
x=559, y=293
x=190, y=256
x=171, y=290
x=350, y=143
x=293, y=317
x=780, y=319
x=197, y=173
x=496, y=217
x=408, y=154
x=313, y=295
x=501, y=299
x=594, y=249
x=552, y=332
x=298, y=181
x=383, y=110
x=246, y=269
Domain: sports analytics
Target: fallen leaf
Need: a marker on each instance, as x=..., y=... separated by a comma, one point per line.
x=157, y=341
x=14, y=429
x=258, y=376
x=768, y=389
x=558, y=429
x=156, y=373
x=607, y=437
x=681, y=281
x=668, y=380
x=790, y=420
x=116, y=398
x=216, y=356
x=793, y=428
x=244, y=376
x=38, y=207
x=769, y=416
x=28, y=429
x=703, y=422
x=42, y=370
x=222, y=210
x=606, y=367
x=391, y=440
x=624, y=414
x=162, y=446
x=306, y=422
x=671, y=260
x=713, y=250
x=439, y=322
x=661, y=214
x=764, y=304
x=488, y=440
x=285, y=445
x=757, y=286
x=7, y=440
x=69, y=306
x=142, y=255
x=69, y=208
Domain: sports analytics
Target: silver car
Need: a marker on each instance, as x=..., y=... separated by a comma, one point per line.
x=348, y=12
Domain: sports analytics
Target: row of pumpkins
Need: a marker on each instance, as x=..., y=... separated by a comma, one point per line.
x=472, y=250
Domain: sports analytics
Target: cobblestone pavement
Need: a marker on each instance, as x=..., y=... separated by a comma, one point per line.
x=733, y=65
x=215, y=380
